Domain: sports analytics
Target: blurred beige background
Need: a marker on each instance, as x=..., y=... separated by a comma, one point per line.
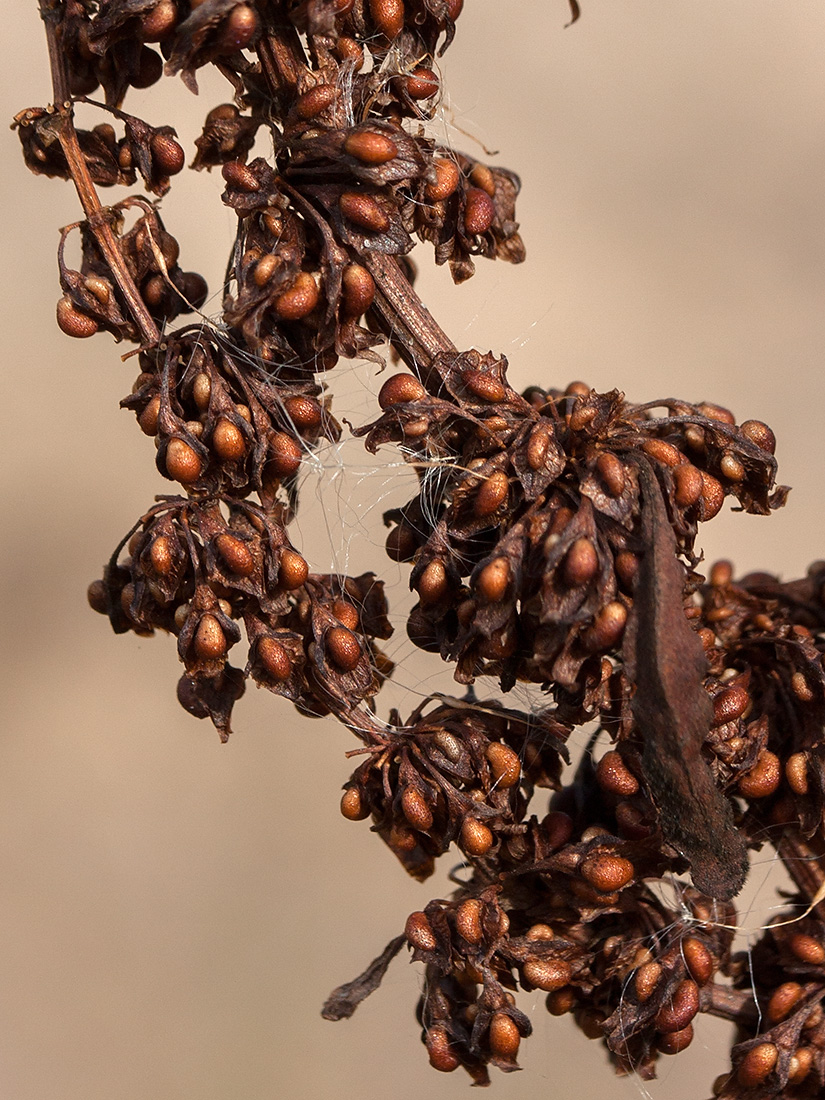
x=173, y=912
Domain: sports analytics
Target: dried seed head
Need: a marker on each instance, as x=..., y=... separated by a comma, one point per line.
x=479, y=211
x=419, y=932
x=546, y=973
x=210, y=641
x=399, y=390
x=344, y=650
x=437, y=1042
x=606, y=872
x=292, y=569
x=300, y=299
x=613, y=776
x=646, y=979
x=468, y=920
x=274, y=658
x=757, y=1064
x=446, y=176
x=74, y=323
x=364, y=211
x=182, y=463
x=491, y=494
x=763, y=778
x=504, y=1037
x=698, y=959
x=370, y=147
x=504, y=764
x=581, y=562
x=476, y=839
x=680, y=1010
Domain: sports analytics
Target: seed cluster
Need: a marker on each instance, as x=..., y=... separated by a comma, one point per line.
x=551, y=542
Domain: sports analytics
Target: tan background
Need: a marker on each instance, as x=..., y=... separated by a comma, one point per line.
x=173, y=911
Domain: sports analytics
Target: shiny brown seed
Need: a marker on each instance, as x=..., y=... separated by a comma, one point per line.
x=240, y=177
x=493, y=580
x=284, y=454
x=210, y=641
x=757, y=1064
x=760, y=434
x=505, y=765
x=157, y=23
x=504, y=1037
x=481, y=176
x=167, y=154
x=304, y=413
x=538, y=446
x=358, y=290
x=800, y=1065
x=364, y=211
x=612, y=473
x=662, y=451
x=421, y=83
x=731, y=468
x=388, y=16
x=441, y=1056
x=687, y=485
x=698, y=959
x=182, y=463
x=807, y=949
x=557, y=827
x=228, y=442
x=161, y=556
x=432, y=585
x=783, y=1001
x=315, y=100
x=678, y=1012
x=370, y=147
x=413, y=803
x=546, y=973
x=606, y=872
x=419, y=932
x=101, y=288
x=712, y=498
x=468, y=920
x=238, y=29
x=716, y=412
x=344, y=649
x=763, y=778
x=201, y=391
x=265, y=268
x=801, y=688
x=346, y=613
x=400, y=390
x=454, y=8
x=352, y=805
x=235, y=554
x=608, y=626
x=540, y=933
x=561, y=1001
x=300, y=299
x=492, y=493
x=796, y=772
x=674, y=1042
x=479, y=211
x=484, y=385
x=613, y=776
x=476, y=838
x=73, y=322
x=292, y=569
x=274, y=658
x=98, y=598
x=401, y=543
x=444, y=181
x=730, y=704
x=627, y=566
x=581, y=562
x=721, y=574
x=348, y=50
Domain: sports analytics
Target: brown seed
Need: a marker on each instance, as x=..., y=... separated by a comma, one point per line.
x=613, y=776
x=612, y=473
x=348, y=50
x=763, y=778
x=441, y=1056
x=275, y=658
x=731, y=468
x=606, y=872
x=540, y=933
x=721, y=574
x=228, y=442
x=680, y=1010
x=401, y=543
x=730, y=704
x=646, y=979
x=284, y=454
x=421, y=83
x=662, y=451
x=315, y=100
x=97, y=596
x=493, y=580
x=292, y=569
x=783, y=1001
x=101, y=288
x=358, y=290
x=631, y=821
x=370, y=147
x=716, y=412
x=161, y=556
x=800, y=1065
x=364, y=211
x=202, y=391
x=399, y=390
x=801, y=688
x=481, y=176
x=432, y=585
x=581, y=562
x=74, y=323
x=675, y=1041
x=476, y=838
x=484, y=385
x=167, y=154
x=468, y=920
x=546, y=973
x=157, y=23
x=491, y=494
x=698, y=959
x=300, y=299
x=608, y=626
x=712, y=498
x=504, y=1037
x=807, y=949
x=413, y=803
x=814, y=1018
x=627, y=566
x=454, y=8
x=265, y=268
x=210, y=641
x=304, y=413
x=240, y=177
x=479, y=211
x=346, y=613
x=235, y=554
x=505, y=765
x=557, y=827
x=444, y=180
x=352, y=805
x=561, y=1001
x=538, y=445
x=796, y=772
x=388, y=16
x=760, y=434
x=182, y=463
x=757, y=1064
x=343, y=648
x=687, y=485
x=419, y=932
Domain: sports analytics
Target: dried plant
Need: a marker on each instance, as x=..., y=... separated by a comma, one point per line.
x=552, y=542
